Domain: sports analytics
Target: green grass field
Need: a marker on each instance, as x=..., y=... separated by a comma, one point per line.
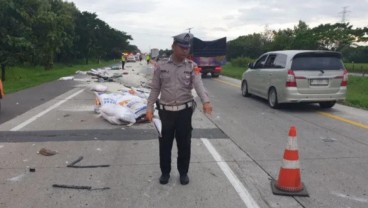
x=19, y=78
x=357, y=95
x=357, y=68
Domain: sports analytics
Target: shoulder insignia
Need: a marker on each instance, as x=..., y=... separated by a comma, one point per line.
x=197, y=70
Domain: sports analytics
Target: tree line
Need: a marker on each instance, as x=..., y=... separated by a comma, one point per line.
x=41, y=32
x=340, y=37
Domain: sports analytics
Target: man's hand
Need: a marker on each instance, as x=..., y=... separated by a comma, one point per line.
x=149, y=115
x=207, y=108
x=155, y=64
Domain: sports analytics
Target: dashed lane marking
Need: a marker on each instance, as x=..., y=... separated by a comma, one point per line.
x=25, y=123
x=238, y=186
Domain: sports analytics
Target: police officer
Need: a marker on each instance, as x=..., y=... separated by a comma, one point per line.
x=122, y=60
x=174, y=79
x=148, y=58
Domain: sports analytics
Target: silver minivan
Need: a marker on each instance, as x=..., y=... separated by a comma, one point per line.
x=294, y=76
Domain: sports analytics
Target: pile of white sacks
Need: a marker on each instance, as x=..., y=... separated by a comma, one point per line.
x=125, y=107
x=121, y=96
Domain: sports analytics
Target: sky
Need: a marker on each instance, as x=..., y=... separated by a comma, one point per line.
x=153, y=23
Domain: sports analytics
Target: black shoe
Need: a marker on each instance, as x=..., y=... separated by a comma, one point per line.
x=184, y=179
x=164, y=179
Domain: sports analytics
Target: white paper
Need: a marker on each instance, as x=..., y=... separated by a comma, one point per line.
x=158, y=125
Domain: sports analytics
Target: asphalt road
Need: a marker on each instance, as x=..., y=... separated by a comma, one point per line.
x=235, y=153
x=17, y=103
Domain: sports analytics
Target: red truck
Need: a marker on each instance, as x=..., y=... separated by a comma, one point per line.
x=209, y=55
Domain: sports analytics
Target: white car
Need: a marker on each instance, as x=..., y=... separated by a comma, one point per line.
x=295, y=76
x=130, y=58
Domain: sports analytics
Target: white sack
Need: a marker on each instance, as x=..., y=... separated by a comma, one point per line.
x=121, y=113
x=99, y=88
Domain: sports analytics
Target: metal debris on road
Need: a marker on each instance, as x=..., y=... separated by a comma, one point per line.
x=72, y=165
x=71, y=186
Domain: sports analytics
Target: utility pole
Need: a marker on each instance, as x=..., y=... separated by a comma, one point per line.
x=343, y=14
x=189, y=29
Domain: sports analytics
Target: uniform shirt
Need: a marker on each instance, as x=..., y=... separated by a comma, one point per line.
x=175, y=83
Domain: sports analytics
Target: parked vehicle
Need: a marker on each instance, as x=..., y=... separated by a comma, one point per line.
x=295, y=76
x=130, y=58
x=209, y=55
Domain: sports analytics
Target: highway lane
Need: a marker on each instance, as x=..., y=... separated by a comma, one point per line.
x=248, y=136
x=332, y=143
x=68, y=125
x=17, y=103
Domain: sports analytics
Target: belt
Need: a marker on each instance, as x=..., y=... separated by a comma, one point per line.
x=175, y=107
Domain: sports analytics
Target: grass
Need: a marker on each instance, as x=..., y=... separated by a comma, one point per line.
x=356, y=96
x=22, y=77
x=357, y=67
x=232, y=71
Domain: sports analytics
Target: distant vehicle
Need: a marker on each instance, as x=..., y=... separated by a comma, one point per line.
x=130, y=58
x=137, y=57
x=296, y=76
x=163, y=59
x=209, y=55
x=154, y=53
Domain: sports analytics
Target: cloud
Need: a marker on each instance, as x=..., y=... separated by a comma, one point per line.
x=152, y=23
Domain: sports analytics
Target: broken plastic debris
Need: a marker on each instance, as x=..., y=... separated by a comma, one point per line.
x=46, y=152
x=66, y=78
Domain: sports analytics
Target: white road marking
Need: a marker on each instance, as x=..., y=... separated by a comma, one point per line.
x=239, y=187
x=16, y=178
x=364, y=200
x=25, y=123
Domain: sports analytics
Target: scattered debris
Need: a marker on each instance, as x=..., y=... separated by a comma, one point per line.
x=78, y=187
x=16, y=178
x=46, y=152
x=75, y=162
x=66, y=78
x=72, y=165
x=327, y=139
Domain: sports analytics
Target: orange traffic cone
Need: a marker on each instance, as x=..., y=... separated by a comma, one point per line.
x=289, y=181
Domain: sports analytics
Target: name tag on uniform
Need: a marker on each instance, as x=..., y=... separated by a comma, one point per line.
x=187, y=74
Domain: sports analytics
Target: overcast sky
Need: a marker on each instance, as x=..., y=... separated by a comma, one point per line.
x=152, y=23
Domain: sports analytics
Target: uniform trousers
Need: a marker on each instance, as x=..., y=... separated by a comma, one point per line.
x=176, y=124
